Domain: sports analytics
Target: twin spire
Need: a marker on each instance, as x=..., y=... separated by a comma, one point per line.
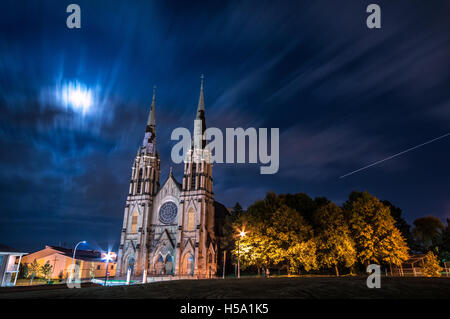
x=200, y=108
x=199, y=126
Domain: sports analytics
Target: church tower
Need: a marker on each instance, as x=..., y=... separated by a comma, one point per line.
x=196, y=251
x=144, y=184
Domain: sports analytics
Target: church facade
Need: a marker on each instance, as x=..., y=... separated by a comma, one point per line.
x=171, y=228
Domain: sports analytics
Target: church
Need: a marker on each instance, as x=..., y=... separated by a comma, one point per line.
x=171, y=228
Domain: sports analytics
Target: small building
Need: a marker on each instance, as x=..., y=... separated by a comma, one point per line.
x=9, y=265
x=90, y=262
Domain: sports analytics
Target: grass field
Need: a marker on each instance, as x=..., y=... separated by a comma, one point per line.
x=303, y=288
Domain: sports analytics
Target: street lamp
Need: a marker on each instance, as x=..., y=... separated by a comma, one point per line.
x=241, y=234
x=107, y=257
x=73, y=258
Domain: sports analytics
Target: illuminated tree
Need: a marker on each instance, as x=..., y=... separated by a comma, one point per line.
x=431, y=267
x=377, y=240
x=334, y=243
x=33, y=270
x=276, y=235
x=291, y=238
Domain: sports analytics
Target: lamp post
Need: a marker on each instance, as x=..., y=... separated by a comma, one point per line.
x=73, y=258
x=107, y=257
x=241, y=234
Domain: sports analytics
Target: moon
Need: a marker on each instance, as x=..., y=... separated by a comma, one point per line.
x=77, y=96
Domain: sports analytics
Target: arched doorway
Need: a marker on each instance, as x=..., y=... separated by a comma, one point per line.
x=160, y=268
x=210, y=259
x=130, y=265
x=169, y=265
x=188, y=264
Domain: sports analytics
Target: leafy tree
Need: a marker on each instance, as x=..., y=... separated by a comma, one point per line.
x=228, y=230
x=277, y=235
x=373, y=230
x=237, y=211
x=290, y=235
x=400, y=222
x=300, y=202
x=23, y=270
x=46, y=270
x=334, y=243
x=33, y=270
x=302, y=255
x=431, y=266
x=255, y=248
x=445, y=249
x=428, y=232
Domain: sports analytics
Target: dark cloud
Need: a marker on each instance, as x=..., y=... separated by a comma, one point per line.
x=343, y=97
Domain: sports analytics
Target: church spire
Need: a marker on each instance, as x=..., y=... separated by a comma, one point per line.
x=149, y=142
x=201, y=100
x=151, y=117
x=200, y=123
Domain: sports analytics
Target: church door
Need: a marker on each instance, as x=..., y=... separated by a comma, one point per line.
x=131, y=265
x=188, y=265
x=160, y=266
x=169, y=265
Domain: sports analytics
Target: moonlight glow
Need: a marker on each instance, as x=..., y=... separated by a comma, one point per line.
x=77, y=96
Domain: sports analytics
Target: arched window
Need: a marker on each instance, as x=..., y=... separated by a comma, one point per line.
x=194, y=169
x=191, y=220
x=138, y=190
x=134, y=222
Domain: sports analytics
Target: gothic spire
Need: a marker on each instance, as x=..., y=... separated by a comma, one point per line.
x=149, y=142
x=151, y=117
x=200, y=123
x=201, y=100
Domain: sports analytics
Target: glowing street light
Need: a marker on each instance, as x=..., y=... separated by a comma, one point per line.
x=241, y=235
x=108, y=257
x=73, y=259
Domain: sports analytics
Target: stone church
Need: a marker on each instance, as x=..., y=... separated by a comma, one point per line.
x=171, y=228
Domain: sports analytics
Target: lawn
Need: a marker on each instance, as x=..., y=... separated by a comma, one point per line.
x=283, y=287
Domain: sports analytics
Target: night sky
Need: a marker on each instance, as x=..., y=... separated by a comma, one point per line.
x=343, y=96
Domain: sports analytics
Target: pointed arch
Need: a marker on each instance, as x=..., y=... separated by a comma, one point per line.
x=188, y=264
x=134, y=222
x=190, y=225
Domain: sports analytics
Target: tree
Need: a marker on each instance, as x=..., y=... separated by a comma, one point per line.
x=46, y=270
x=300, y=202
x=23, y=270
x=237, y=211
x=255, y=248
x=445, y=247
x=333, y=239
x=428, y=232
x=92, y=270
x=373, y=229
x=431, y=267
x=290, y=236
x=33, y=270
x=277, y=235
x=400, y=222
x=228, y=232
